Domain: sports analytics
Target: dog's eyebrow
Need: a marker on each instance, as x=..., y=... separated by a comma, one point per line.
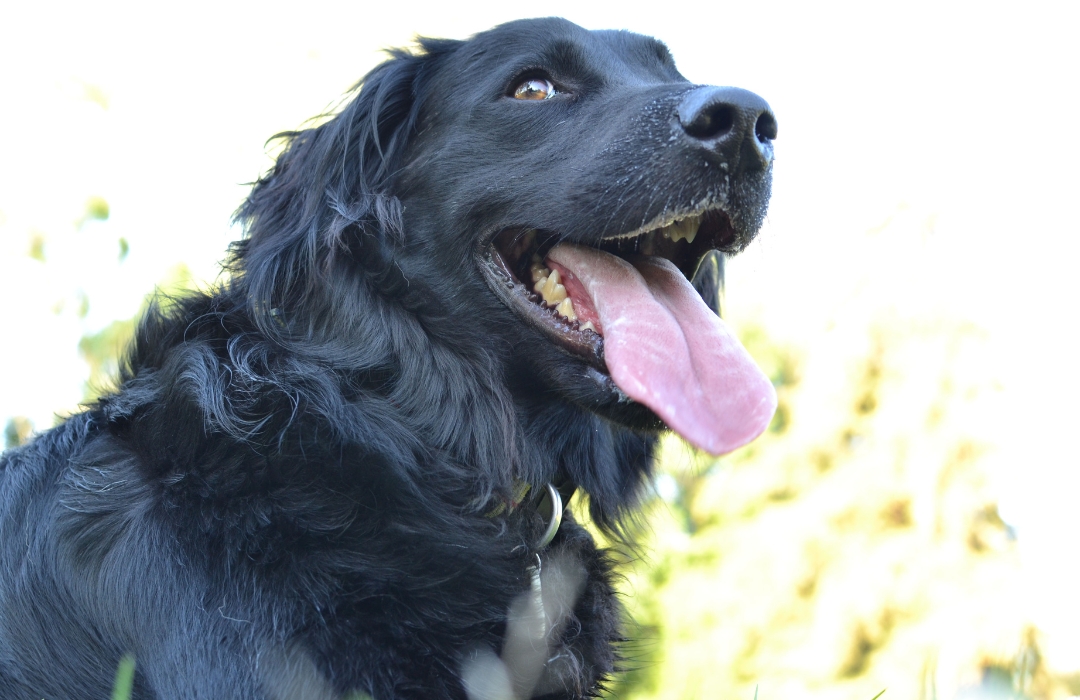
x=571, y=59
x=567, y=58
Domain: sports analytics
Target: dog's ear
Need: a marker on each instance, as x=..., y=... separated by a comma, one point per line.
x=328, y=196
x=709, y=281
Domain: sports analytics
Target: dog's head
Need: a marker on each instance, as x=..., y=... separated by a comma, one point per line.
x=543, y=195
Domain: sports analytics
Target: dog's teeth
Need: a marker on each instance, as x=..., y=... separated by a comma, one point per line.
x=588, y=326
x=538, y=272
x=537, y=269
x=566, y=309
x=553, y=292
x=685, y=229
x=691, y=228
x=538, y=287
x=556, y=295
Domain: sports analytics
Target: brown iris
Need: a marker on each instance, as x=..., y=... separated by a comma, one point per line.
x=534, y=89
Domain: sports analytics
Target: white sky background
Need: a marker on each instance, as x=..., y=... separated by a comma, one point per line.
x=963, y=115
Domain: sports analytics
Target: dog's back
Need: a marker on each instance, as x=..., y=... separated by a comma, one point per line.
x=49, y=646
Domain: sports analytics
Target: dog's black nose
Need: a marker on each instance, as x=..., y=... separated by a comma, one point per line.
x=735, y=123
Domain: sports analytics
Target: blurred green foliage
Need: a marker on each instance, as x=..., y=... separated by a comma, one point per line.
x=17, y=431
x=37, y=246
x=102, y=352
x=104, y=349
x=97, y=209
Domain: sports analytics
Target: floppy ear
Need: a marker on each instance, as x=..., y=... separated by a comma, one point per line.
x=328, y=195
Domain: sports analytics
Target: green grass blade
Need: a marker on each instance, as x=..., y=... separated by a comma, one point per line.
x=879, y=694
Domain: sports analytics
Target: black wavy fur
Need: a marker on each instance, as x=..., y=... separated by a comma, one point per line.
x=289, y=494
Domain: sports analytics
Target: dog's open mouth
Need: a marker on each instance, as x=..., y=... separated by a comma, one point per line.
x=521, y=255
x=626, y=306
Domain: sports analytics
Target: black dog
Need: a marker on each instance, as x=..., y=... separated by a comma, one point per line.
x=342, y=471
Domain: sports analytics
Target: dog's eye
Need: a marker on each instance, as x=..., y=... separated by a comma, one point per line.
x=534, y=89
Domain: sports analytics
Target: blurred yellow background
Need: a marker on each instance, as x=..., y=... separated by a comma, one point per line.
x=909, y=523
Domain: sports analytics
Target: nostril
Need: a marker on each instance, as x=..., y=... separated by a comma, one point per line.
x=724, y=119
x=765, y=127
x=716, y=120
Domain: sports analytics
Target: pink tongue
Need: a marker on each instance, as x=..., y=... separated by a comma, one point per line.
x=666, y=349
